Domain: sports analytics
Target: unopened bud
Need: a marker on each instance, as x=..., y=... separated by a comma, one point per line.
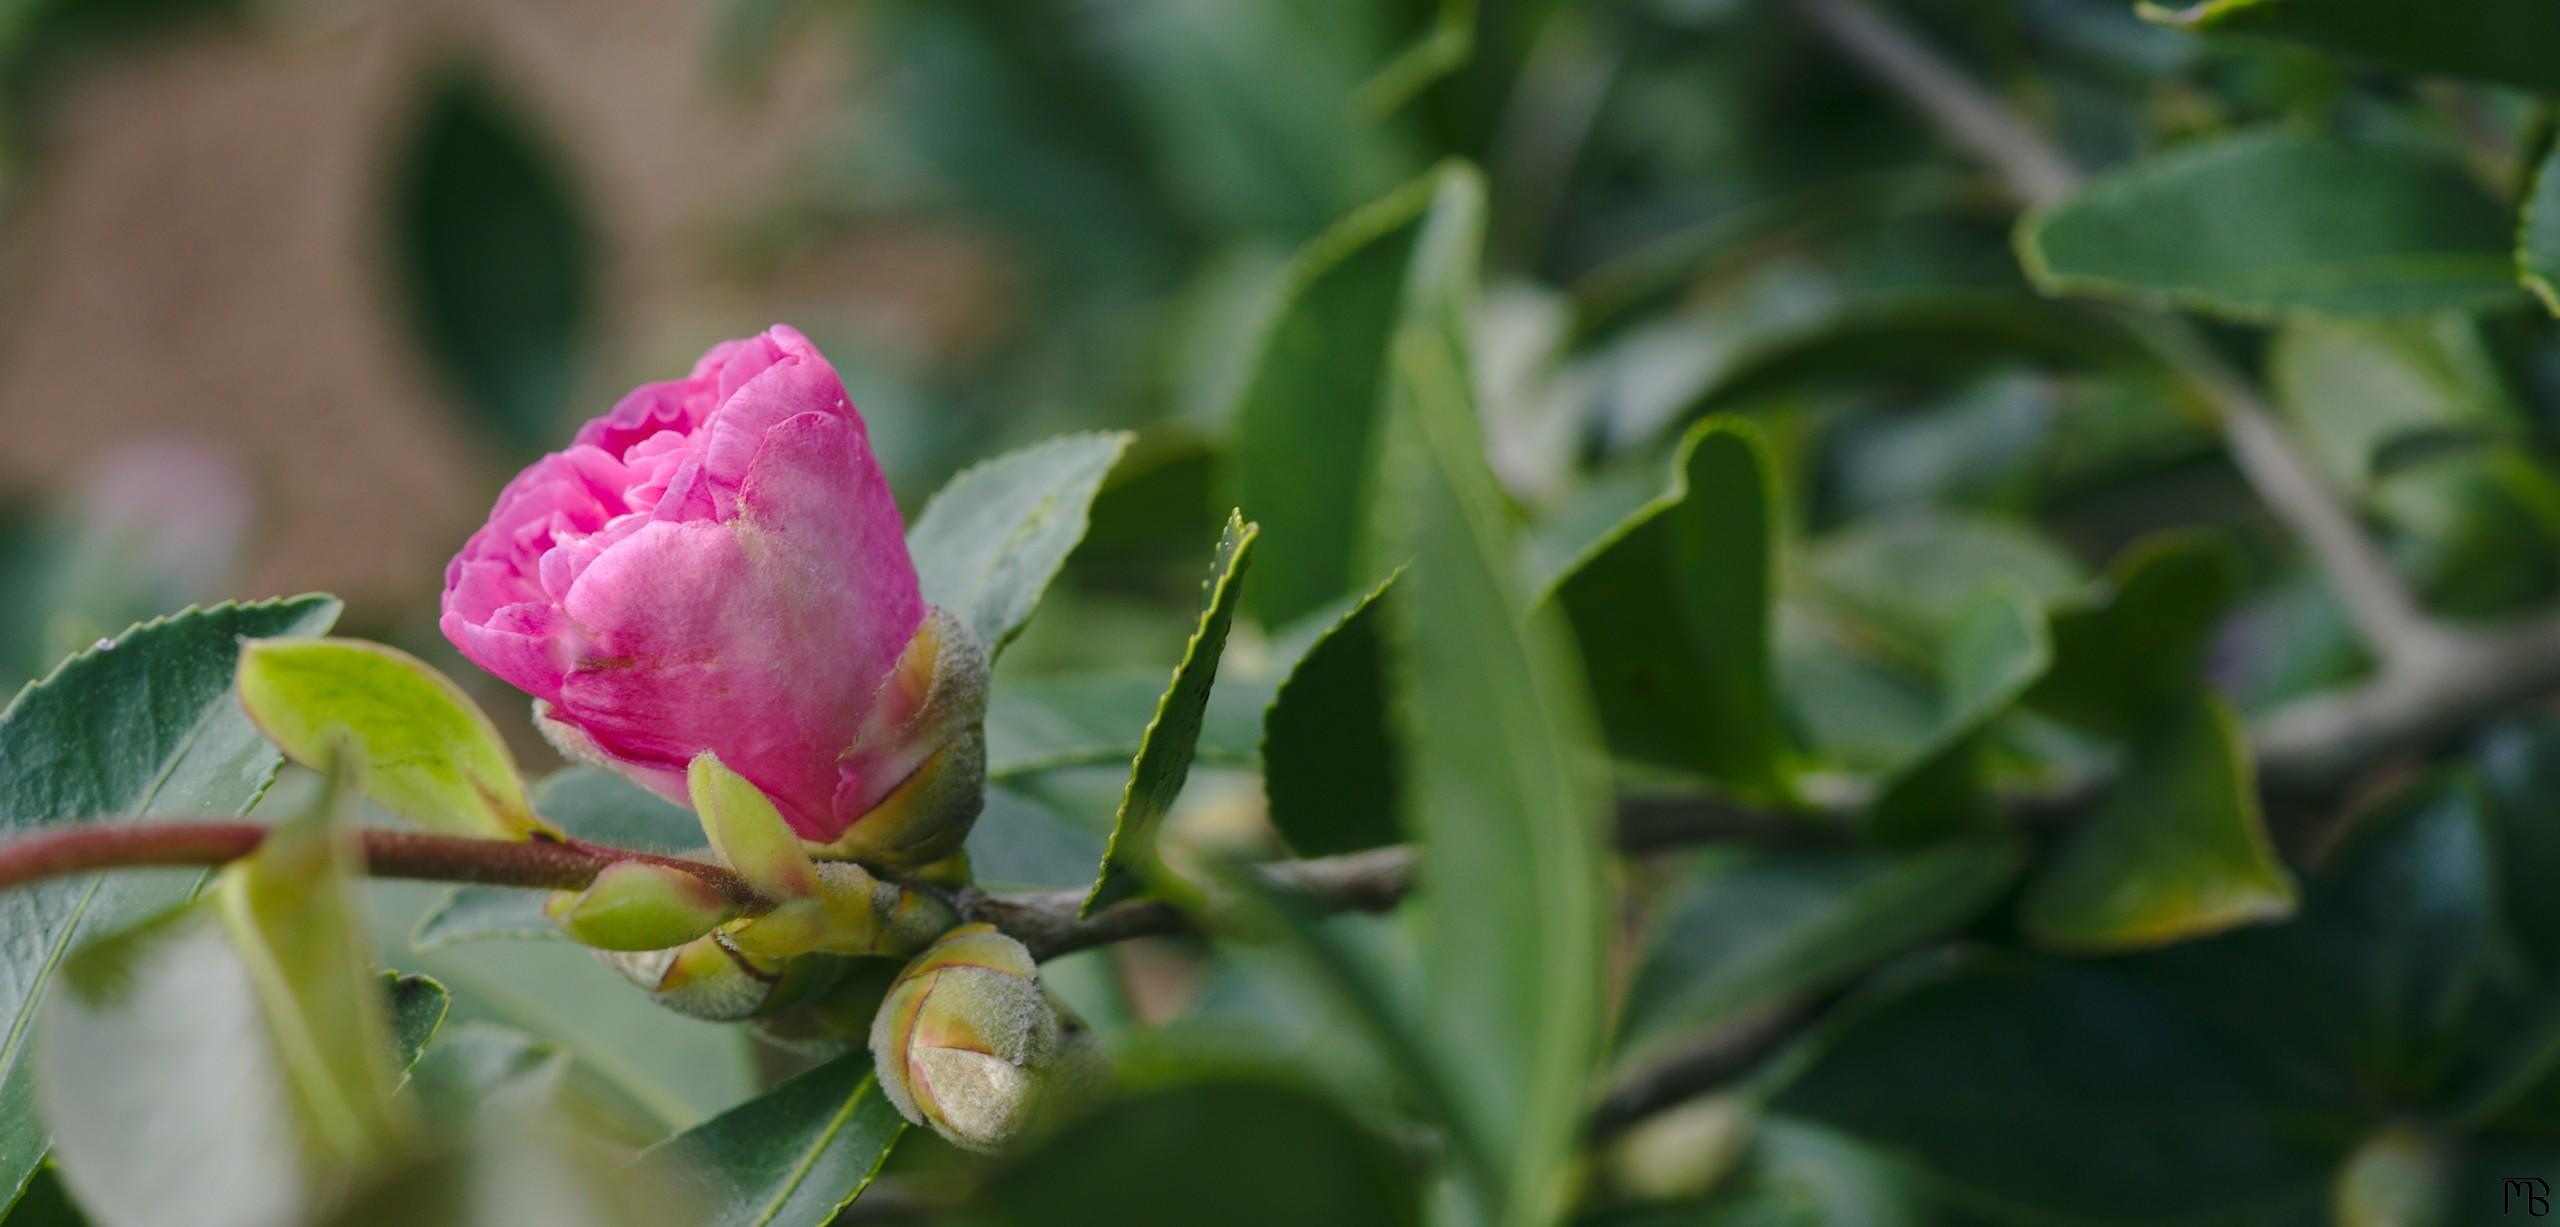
x=710, y=978
x=968, y=1043
x=924, y=747
x=851, y=912
x=635, y=905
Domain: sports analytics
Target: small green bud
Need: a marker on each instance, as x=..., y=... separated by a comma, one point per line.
x=748, y=832
x=635, y=905
x=968, y=1043
x=851, y=913
x=710, y=978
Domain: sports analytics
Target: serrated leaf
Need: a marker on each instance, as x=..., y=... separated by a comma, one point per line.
x=2495, y=40
x=2120, y=659
x=140, y=728
x=1051, y=723
x=1672, y=611
x=418, y=745
x=791, y=1157
x=1307, y=414
x=1492, y=717
x=2179, y=848
x=2262, y=224
x=1994, y=652
x=1164, y=757
x=1330, y=773
x=988, y=543
x=494, y=260
x=586, y=803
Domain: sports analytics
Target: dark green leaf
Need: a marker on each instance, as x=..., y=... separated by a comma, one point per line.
x=1163, y=762
x=1672, y=611
x=2120, y=658
x=495, y=259
x=587, y=803
x=2261, y=224
x=418, y=1006
x=1754, y=927
x=1995, y=650
x=1905, y=580
x=2538, y=244
x=988, y=543
x=1235, y=1153
x=141, y=727
x=791, y=1157
x=1330, y=773
x=2176, y=851
x=2497, y=40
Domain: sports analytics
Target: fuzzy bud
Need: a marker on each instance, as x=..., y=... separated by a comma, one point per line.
x=969, y=1044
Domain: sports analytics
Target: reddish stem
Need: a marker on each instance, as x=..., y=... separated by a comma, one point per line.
x=541, y=864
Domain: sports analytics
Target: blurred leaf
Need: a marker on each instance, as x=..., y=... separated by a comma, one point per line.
x=139, y=727
x=45, y=1203
x=1330, y=772
x=1672, y=612
x=1306, y=420
x=2054, y=1095
x=2497, y=40
x=416, y=744
x=1759, y=925
x=1057, y=721
x=1995, y=650
x=2538, y=243
x=495, y=259
x=585, y=803
x=509, y=1168
x=2520, y=781
x=1164, y=757
x=1020, y=844
x=1907, y=579
x=2177, y=850
x=1501, y=796
x=791, y=1157
x=988, y=543
x=2262, y=224
x=2121, y=656
x=1236, y=1153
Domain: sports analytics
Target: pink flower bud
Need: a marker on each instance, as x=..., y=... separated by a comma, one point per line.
x=717, y=565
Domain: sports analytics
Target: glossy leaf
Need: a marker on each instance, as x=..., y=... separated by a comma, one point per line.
x=142, y=727
x=2262, y=224
x=495, y=259
x=2495, y=40
x=988, y=543
x=1496, y=733
x=1331, y=776
x=1050, y=723
x=1672, y=611
x=1164, y=757
x=1994, y=652
x=791, y=1157
x=2179, y=849
x=2121, y=658
x=1755, y=927
x=418, y=745
x=1307, y=416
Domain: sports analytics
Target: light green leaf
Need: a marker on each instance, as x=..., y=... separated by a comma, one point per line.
x=747, y=832
x=2495, y=40
x=1905, y=580
x=2538, y=241
x=2120, y=658
x=1049, y=723
x=1163, y=763
x=1672, y=612
x=1307, y=414
x=1756, y=926
x=511, y=1168
x=2264, y=224
x=2177, y=851
x=142, y=727
x=1502, y=793
x=1994, y=652
x=1021, y=844
x=1330, y=769
x=419, y=746
x=791, y=1157
x=987, y=544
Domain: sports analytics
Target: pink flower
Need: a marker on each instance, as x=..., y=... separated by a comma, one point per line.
x=717, y=565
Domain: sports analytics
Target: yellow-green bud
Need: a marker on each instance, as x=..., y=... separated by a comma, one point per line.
x=635, y=905
x=711, y=978
x=968, y=1044
x=851, y=912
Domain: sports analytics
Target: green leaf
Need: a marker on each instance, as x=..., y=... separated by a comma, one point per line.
x=418, y=1007
x=494, y=257
x=1050, y=723
x=1163, y=763
x=586, y=803
x=418, y=745
x=139, y=728
x=988, y=543
x=1754, y=927
x=1492, y=717
x=1672, y=612
x=2538, y=240
x=791, y=1157
x=2177, y=850
x=509, y=1168
x=1330, y=775
x=1232, y=1152
x=1906, y=580
x=2263, y=224
x=2122, y=657
x=1021, y=844
x=2495, y=40
x=1307, y=415
x=1994, y=652
x=2050, y=1094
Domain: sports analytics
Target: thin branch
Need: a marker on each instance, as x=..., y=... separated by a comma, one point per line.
x=1711, y=1062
